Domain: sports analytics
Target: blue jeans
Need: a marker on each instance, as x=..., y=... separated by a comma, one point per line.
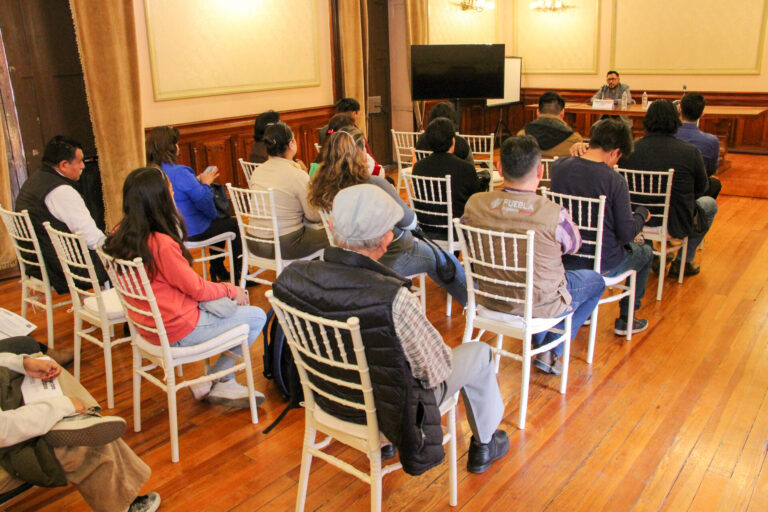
x=636, y=257
x=586, y=287
x=420, y=258
x=709, y=206
x=210, y=325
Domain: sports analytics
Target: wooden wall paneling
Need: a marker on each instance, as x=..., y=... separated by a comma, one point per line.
x=221, y=142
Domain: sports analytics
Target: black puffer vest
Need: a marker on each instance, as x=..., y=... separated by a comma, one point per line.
x=32, y=198
x=347, y=284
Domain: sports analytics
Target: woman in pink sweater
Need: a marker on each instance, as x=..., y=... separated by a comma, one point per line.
x=153, y=230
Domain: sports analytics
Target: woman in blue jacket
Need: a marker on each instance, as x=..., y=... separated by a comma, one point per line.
x=193, y=196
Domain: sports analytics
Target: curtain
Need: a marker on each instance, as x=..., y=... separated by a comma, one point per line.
x=417, y=32
x=106, y=40
x=353, y=27
x=7, y=254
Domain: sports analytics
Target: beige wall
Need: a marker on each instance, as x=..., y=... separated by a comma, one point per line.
x=573, y=49
x=229, y=105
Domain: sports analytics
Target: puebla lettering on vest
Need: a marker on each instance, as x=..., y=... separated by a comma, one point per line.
x=513, y=206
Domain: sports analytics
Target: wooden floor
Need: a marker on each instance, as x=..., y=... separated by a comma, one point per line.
x=675, y=420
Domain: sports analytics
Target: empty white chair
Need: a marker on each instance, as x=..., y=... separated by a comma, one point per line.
x=30, y=259
x=248, y=168
x=482, y=149
x=404, y=143
x=431, y=199
x=257, y=220
x=589, y=216
x=90, y=305
x=130, y=280
x=498, y=262
x=419, y=287
x=211, y=252
x=653, y=189
x=315, y=343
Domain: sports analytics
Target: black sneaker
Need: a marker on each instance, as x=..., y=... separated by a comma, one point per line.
x=691, y=269
x=638, y=325
x=387, y=451
x=147, y=503
x=481, y=456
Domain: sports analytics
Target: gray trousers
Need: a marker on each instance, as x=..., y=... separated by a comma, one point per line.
x=475, y=375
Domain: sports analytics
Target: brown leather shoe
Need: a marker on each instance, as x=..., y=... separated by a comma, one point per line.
x=63, y=357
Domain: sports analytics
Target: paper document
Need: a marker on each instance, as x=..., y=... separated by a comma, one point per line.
x=12, y=324
x=35, y=390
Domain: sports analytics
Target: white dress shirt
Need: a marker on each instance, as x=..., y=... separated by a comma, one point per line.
x=67, y=205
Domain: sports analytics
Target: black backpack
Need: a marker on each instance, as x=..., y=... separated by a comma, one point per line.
x=279, y=366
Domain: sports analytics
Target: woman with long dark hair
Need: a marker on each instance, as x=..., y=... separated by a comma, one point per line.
x=345, y=166
x=153, y=230
x=293, y=212
x=194, y=197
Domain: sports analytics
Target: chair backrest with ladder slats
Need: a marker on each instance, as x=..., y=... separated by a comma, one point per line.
x=248, y=169
x=324, y=216
x=432, y=201
x=547, y=168
x=25, y=243
x=404, y=143
x=256, y=218
x=132, y=283
x=77, y=265
x=319, y=345
x=421, y=154
x=498, y=266
x=653, y=190
x=589, y=215
x=481, y=147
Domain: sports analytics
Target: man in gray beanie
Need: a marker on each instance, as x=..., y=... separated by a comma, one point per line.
x=398, y=338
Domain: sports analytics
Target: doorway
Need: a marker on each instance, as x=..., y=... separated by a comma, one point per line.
x=378, y=105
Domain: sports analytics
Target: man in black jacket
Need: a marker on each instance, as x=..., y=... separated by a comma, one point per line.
x=440, y=136
x=691, y=212
x=398, y=338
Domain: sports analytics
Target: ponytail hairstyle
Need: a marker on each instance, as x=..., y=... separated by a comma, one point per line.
x=148, y=208
x=161, y=146
x=277, y=137
x=344, y=165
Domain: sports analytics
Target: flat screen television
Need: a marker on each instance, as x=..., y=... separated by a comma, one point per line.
x=457, y=71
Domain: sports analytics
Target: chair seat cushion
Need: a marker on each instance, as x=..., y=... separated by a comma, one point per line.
x=537, y=324
x=217, y=344
x=111, y=303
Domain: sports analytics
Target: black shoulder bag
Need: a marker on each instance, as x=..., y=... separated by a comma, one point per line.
x=446, y=270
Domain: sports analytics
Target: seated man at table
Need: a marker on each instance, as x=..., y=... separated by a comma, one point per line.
x=592, y=175
x=691, y=211
x=64, y=439
x=516, y=209
x=441, y=137
x=691, y=108
x=412, y=370
x=555, y=138
x=613, y=89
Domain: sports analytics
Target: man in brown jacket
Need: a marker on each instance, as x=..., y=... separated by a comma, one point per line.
x=555, y=138
x=517, y=208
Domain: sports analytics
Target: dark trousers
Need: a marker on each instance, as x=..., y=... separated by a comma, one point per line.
x=217, y=227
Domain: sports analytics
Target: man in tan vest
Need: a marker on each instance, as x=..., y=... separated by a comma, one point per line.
x=516, y=209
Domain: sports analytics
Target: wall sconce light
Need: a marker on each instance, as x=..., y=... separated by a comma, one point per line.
x=549, y=5
x=476, y=5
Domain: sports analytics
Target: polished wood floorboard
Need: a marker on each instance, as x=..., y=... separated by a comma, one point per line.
x=676, y=419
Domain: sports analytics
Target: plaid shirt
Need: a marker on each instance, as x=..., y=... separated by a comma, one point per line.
x=428, y=356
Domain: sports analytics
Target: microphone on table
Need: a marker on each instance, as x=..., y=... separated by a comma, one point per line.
x=684, y=89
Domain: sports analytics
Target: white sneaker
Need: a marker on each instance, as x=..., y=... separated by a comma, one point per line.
x=232, y=394
x=201, y=389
